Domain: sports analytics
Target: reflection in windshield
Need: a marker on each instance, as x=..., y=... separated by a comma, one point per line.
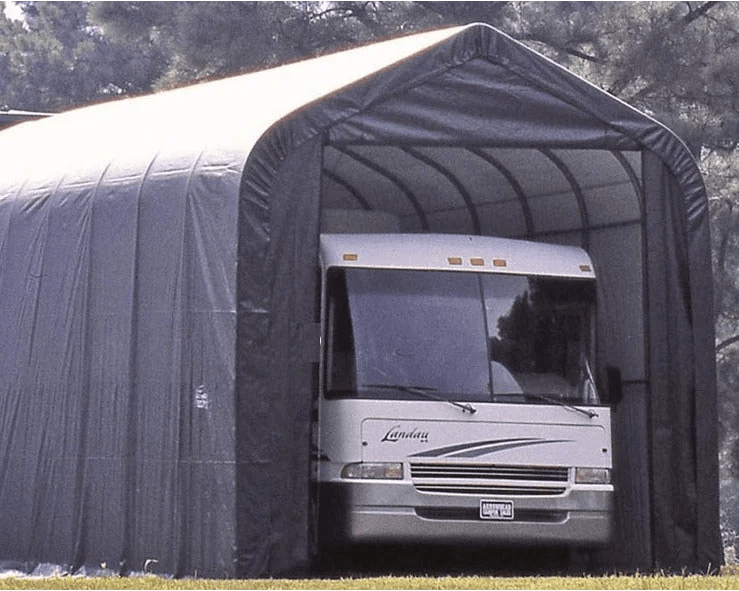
x=539, y=335
x=467, y=336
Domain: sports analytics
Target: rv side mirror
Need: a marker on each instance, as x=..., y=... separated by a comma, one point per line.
x=614, y=384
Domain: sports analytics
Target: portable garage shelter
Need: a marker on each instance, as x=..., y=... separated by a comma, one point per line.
x=158, y=264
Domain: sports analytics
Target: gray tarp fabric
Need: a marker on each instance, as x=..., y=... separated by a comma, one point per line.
x=158, y=280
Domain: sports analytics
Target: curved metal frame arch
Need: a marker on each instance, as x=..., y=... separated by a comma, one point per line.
x=577, y=191
x=634, y=178
x=452, y=179
x=513, y=182
x=392, y=178
x=351, y=189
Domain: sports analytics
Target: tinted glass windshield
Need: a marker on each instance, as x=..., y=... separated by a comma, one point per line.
x=464, y=336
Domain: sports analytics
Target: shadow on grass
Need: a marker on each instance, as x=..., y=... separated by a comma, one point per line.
x=439, y=561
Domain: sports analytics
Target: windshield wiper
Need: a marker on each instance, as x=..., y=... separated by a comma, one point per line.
x=426, y=392
x=587, y=412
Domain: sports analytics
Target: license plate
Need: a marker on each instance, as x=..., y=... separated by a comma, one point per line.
x=498, y=510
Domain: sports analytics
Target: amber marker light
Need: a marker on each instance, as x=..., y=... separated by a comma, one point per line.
x=454, y=260
x=477, y=262
x=499, y=263
x=586, y=269
x=350, y=257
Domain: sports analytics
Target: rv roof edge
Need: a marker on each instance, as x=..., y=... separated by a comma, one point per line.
x=455, y=252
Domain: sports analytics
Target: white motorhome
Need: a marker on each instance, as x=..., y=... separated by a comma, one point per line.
x=458, y=397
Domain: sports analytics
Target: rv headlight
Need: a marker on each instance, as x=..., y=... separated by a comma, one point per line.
x=592, y=476
x=386, y=471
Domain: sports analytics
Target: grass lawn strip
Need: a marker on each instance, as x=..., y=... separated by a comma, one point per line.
x=587, y=582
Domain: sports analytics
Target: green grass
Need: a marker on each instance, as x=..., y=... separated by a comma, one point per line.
x=724, y=581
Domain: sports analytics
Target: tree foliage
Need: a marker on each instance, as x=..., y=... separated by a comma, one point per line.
x=54, y=58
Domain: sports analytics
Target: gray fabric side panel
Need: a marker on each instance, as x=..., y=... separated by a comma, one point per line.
x=631, y=546
x=671, y=417
x=180, y=448
x=709, y=546
x=274, y=392
x=114, y=221
x=677, y=391
x=254, y=399
x=621, y=343
x=44, y=427
x=112, y=318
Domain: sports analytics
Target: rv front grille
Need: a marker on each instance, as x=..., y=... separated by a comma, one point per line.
x=472, y=489
x=490, y=472
x=482, y=479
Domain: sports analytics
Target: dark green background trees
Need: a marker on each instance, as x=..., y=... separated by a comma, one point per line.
x=678, y=61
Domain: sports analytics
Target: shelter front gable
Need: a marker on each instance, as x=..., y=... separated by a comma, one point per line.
x=481, y=103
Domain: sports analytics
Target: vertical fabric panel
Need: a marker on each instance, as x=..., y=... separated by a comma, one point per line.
x=631, y=547
x=181, y=428
x=709, y=547
x=275, y=401
x=58, y=365
x=110, y=320
x=621, y=308
x=159, y=391
x=671, y=372
x=43, y=430
x=206, y=451
x=621, y=343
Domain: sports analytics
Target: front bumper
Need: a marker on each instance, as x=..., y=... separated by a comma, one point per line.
x=390, y=512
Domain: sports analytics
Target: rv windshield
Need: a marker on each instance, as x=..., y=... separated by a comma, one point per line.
x=466, y=336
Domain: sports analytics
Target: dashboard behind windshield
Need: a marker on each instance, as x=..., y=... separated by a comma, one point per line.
x=463, y=336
